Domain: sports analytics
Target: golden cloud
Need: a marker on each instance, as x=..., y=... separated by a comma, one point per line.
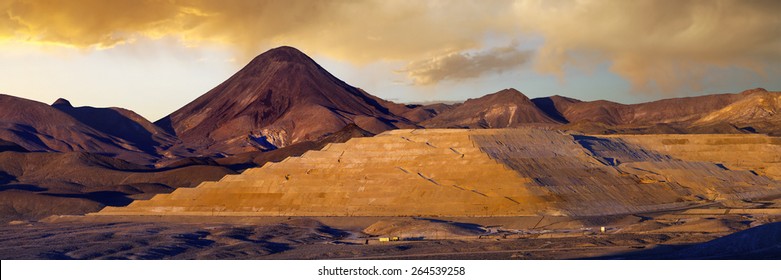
x=360, y=31
x=85, y=23
x=458, y=66
x=662, y=43
x=665, y=44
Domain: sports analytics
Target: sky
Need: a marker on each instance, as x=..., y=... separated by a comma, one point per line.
x=154, y=56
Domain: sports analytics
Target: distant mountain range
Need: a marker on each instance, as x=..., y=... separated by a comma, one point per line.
x=62, y=159
x=62, y=128
x=283, y=97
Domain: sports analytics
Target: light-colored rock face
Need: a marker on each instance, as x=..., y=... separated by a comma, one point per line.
x=758, y=153
x=440, y=172
x=399, y=173
x=758, y=111
x=760, y=106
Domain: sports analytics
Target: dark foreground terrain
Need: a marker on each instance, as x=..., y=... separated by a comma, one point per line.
x=692, y=234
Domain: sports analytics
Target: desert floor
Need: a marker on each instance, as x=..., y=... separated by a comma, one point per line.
x=684, y=234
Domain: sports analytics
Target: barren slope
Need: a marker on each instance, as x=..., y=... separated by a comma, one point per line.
x=758, y=153
x=120, y=123
x=505, y=108
x=747, y=112
x=281, y=97
x=36, y=185
x=487, y=172
x=40, y=127
x=758, y=110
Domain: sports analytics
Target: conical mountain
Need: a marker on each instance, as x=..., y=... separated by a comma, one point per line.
x=505, y=108
x=280, y=98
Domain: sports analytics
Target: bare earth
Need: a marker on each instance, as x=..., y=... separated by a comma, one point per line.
x=662, y=235
x=258, y=168
x=524, y=193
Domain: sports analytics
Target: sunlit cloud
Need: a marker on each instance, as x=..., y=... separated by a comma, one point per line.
x=664, y=45
x=87, y=23
x=457, y=66
x=359, y=31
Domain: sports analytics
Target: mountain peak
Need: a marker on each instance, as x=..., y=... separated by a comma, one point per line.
x=509, y=91
x=282, y=97
x=62, y=102
x=504, y=108
x=281, y=59
x=753, y=90
x=565, y=99
x=507, y=94
x=283, y=54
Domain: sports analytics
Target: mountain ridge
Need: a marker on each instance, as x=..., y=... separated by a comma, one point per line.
x=36, y=126
x=283, y=97
x=504, y=108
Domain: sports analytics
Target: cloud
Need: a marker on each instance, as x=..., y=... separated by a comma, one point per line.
x=358, y=31
x=456, y=66
x=662, y=44
x=653, y=44
x=85, y=23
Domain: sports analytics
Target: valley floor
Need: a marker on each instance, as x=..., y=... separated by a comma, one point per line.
x=685, y=234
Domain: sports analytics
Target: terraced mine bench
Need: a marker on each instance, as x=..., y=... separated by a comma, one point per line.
x=491, y=172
